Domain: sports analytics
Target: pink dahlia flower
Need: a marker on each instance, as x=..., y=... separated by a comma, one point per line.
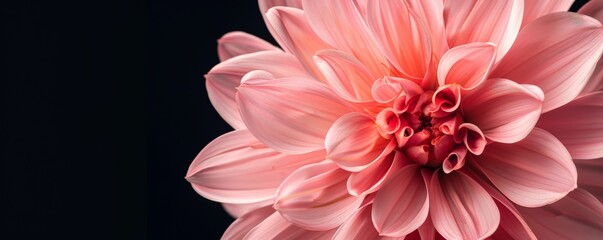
x=410, y=119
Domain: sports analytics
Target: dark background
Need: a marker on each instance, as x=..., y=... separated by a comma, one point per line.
x=103, y=108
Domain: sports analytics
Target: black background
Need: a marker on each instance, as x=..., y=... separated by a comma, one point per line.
x=103, y=108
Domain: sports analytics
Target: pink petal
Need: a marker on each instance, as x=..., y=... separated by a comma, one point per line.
x=455, y=160
x=578, y=126
x=295, y=34
x=354, y=142
x=473, y=138
x=593, y=8
x=504, y=110
x=359, y=227
x=223, y=79
x=277, y=227
x=402, y=36
x=402, y=204
x=237, y=43
x=557, y=53
x=385, y=90
x=340, y=24
x=447, y=98
x=347, y=76
x=534, y=172
x=290, y=115
x=460, y=208
x=238, y=210
x=579, y=215
x=373, y=177
x=431, y=13
x=466, y=65
x=315, y=197
x=388, y=122
x=237, y=168
x=590, y=176
x=239, y=228
x=483, y=21
x=265, y=5
x=535, y=9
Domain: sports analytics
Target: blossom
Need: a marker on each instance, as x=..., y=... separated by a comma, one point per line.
x=410, y=119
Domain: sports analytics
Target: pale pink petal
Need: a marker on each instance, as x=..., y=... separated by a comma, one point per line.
x=238, y=210
x=402, y=36
x=388, y=122
x=593, y=8
x=534, y=9
x=354, y=142
x=360, y=227
x=340, y=24
x=460, y=208
x=466, y=65
x=237, y=168
x=222, y=80
x=589, y=172
x=579, y=215
x=347, y=76
x=534, y=172
x=290, y=115
x=455, y=160
x=316, y=197
x=483, y=21
x=432, y=13
x=402, y=204
x=385, y=90
x=265, y=5
x=277, y=227
x=373, y=177
x=238, y=43
x=578, y=125
x=291, y=25
x=239, y=228
x=557, y=53
x=504, y=110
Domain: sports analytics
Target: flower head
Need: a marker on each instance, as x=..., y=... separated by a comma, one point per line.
x=404, y=118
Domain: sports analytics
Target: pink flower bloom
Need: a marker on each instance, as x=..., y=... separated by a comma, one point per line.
x=410, y=119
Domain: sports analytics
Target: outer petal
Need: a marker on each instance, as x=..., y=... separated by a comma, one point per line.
x=239, y=228
x=466, y=65
x=534, y=9
x=590, y=176
x=504, y=110
x=265, y=5
x=359, y=227
x=402, y=36
x=485, y=21
x=237, y=43
x=402, y=205
x=316, y=198
x=340, y=24
x=556, y=52
x=354, y=142
x=578, y=126
x=238, y=210
x=237, y=168
x=534, y=172
x=277, y=227
x=579, y=215
x=432, y=14
x=372, y=178
x=460, y=208
x=347, y=76
x=594, y=9
x=223, y=79
x=290, y=115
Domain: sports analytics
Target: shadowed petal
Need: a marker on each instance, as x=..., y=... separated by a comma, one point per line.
x=589, y=172
x=237, y=168
x=290, y=115
x=360, y=227
x=504, y=110
x=466, y=65
x=594, y=9
x=535, y=9
x=578, y=126
x=238, y=43
x=534, y=172
x=239, y=228
x=316, y=197
x=277, y=227
x=238, y=210
x=557, y=53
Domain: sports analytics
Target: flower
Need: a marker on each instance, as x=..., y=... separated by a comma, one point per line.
x=416, y=119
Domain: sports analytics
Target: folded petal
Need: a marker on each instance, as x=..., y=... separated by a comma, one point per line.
x=590, y=176
x=402, y=36
x=237, y=168
x=578, y=125
x=265, y=5
x=240, y=227
x=222, y=80
x=353, y=142
x=315, y=197
x=347, y=76
x=533, y=172
x=277, y=227
x=460, y=208
x=483, y=21
x=238, y=43
x=504, y=110
x=402, y=204
x=295, y=34
x=373, y=177
x=240, y=209
x=579, y=215
x=466, y=65
x=359, y=227
x=535, y=9
x=290, y=115
x=340, y=24
x=557, y=53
